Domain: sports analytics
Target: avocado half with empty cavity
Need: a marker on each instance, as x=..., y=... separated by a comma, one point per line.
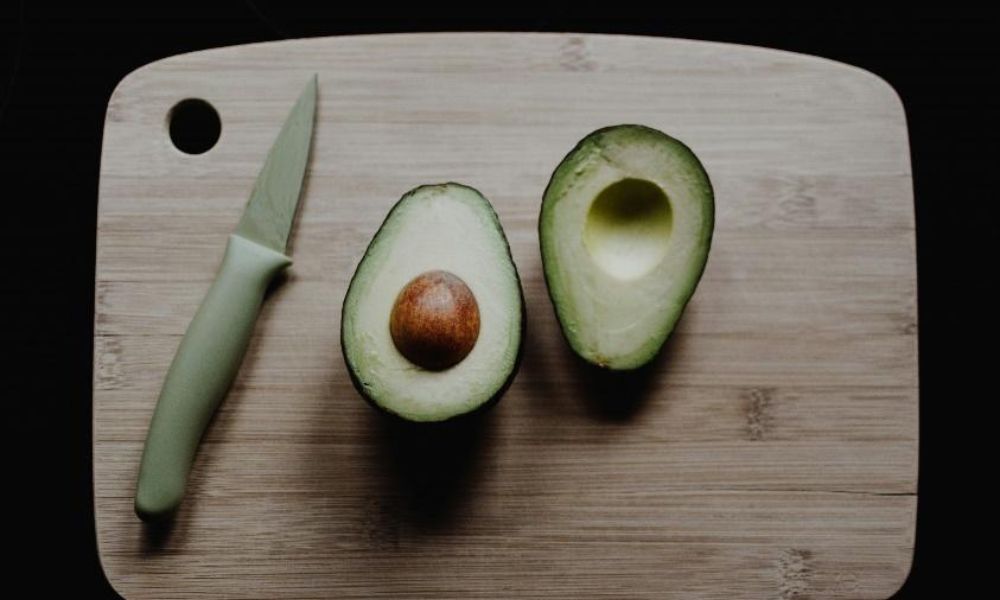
x=433, y=320
x=625, y=230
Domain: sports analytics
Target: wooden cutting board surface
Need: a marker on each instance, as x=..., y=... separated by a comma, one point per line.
x=771, y=453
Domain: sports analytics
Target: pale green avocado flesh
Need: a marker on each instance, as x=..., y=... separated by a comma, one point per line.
x=625, y=230
x=451, y=228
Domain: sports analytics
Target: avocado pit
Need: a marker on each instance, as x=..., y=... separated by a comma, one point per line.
x=435, y=320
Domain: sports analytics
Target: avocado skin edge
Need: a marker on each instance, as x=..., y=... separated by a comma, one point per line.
x=488, y=404
x=708, y=243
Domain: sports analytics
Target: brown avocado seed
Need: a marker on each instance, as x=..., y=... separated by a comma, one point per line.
x=435, y=320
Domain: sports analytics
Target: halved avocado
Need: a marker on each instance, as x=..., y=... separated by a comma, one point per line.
x=625, y=230
x=433, y=320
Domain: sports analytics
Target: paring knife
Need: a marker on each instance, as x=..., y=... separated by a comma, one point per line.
x=212, y=349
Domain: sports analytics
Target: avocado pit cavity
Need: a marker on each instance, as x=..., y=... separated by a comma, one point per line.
x=627, y=230
x=435, y=320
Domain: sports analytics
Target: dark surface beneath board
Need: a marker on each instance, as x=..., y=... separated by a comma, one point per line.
x=57, y=71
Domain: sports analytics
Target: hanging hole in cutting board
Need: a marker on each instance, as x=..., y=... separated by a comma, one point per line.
x=194, y=126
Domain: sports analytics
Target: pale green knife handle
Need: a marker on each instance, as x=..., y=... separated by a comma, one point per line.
x=201, y=373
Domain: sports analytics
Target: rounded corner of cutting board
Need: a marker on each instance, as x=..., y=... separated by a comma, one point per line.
x=893, y=587
x=109, y=576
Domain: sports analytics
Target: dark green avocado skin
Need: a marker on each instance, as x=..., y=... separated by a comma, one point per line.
x=482, y=408
x=545, y=272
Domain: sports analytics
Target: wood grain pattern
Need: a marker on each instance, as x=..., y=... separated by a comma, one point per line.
x=772, y=452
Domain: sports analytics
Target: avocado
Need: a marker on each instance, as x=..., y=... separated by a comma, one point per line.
x=625, y=230
x=433, y=319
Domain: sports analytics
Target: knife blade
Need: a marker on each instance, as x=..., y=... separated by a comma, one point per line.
x=210, y=353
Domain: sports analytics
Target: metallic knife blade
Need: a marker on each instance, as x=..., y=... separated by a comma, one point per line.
x=210, y=353
x=268, y=216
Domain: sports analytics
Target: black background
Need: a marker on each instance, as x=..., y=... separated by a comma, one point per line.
x=58, y=67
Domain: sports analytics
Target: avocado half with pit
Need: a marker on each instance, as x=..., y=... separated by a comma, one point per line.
x=625, y=229
x=433, y=320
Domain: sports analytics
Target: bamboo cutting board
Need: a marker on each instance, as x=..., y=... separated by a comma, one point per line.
x=771, y=453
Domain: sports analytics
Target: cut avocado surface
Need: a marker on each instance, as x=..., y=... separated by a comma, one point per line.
x=433, y=319
x=625, y=230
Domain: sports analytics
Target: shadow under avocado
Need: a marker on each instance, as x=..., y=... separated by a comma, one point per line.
x=605, y=394
x=433, y=467
x=619, y=396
